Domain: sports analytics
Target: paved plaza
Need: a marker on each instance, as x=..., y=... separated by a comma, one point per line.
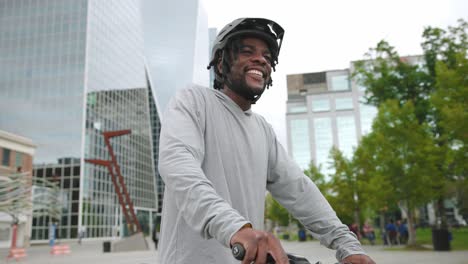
x=90, y=252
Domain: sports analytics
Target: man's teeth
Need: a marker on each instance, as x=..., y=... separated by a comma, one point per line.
x=259, y=73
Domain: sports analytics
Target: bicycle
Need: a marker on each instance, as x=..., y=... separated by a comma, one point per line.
x=238, y=251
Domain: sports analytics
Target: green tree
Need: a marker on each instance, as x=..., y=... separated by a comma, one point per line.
x=378, y=189
x=447, y=57
x=345, y=189
x=445, y=53
x=276, y=212
x=314, y=173
x=387, y=76
x=404, y=156
x=436, y=86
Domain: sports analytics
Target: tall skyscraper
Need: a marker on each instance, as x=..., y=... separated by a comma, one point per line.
x=325, y=109
x=176, y=51
x=212, y=33
x=70, y=70
x=176, y=45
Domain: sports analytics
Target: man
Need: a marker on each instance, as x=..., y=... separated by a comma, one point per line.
x=217, y=158
x=392, y=232
x=402, y=232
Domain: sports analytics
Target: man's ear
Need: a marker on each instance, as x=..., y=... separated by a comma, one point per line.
x=219, y=66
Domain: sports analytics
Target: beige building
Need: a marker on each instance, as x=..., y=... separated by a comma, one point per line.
x=325, y=109
x=16, y=155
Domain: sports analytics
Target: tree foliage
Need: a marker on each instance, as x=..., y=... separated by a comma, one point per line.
x=435, y=85
x=387, y=76
x=404, y=156
x=446, y=53
x=278, y=214
x=345, y=191
x=314, y=173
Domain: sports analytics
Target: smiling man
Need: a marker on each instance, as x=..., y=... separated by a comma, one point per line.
x=217, y=158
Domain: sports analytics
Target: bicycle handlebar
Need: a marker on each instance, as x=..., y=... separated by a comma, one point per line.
x=238, y=251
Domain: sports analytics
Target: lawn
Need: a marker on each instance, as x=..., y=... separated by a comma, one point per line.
x=459, y=235
x=423, y=239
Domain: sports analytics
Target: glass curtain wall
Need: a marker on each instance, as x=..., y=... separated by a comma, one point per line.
x=56, y=190
x=112, y=111
x=300, y=142
x=42, y=58
x=323, y=142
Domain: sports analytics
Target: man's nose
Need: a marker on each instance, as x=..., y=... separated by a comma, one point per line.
x=258, y=57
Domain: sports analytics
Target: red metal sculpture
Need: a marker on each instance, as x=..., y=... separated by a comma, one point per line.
x=118, y=180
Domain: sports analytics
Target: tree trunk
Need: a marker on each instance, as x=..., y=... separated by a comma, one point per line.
x=411, y=229
x=441, y=221
x=357, y=220
x=382, y=226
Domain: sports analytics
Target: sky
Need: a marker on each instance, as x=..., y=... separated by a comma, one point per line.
x=329, y=34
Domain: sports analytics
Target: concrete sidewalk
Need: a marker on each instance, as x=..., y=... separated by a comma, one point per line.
x=90, y=252
x=314, y=252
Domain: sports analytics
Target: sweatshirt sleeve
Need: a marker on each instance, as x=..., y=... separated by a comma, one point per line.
x=181, y=154
x=300, y=196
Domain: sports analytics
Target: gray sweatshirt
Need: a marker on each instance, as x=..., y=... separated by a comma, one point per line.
x=217, y=161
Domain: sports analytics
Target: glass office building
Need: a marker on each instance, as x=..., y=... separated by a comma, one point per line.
x=176, y=44
x=328, y=106
x=70, y=70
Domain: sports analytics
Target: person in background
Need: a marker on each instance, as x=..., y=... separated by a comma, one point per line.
x=355, y=229
x=391, y=231
x=402, y=232
x=155, y=237
x=217, y=158
x=368, y=232
x=81, y=234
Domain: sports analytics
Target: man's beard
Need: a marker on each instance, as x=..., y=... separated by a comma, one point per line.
x=240, y=87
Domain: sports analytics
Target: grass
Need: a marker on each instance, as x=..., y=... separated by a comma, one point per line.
x=423, y=240
x=459, y=235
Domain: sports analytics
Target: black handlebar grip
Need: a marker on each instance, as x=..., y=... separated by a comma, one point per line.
x=238, y=251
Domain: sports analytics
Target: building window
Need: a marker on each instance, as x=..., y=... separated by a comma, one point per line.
x=339, y=83
x=361, y=87
x=6, y=157
x=346, y=134
x=19, y=160
x=319, y=105
x=300, y=142
x=368, y=113
x=297, y=109
x=343, y=103
x=323, y=143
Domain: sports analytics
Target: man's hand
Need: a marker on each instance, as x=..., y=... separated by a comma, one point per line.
x=357, y=259
x=258, y=244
